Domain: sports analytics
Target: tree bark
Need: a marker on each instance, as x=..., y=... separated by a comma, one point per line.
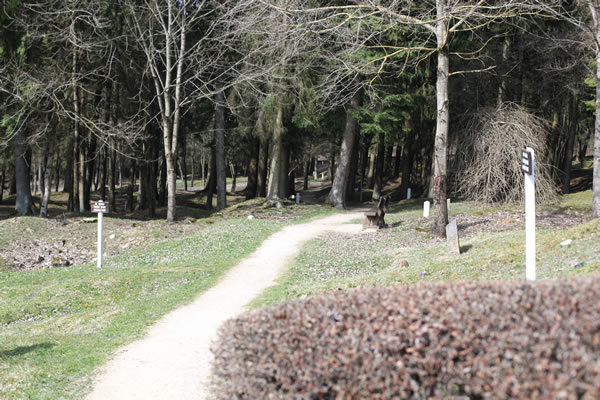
x=233, y=171
x=378, y=178
x=82, y=181
x=211, y=184
x=568, y=158
x=24, y=202
x=252, y=184
x=351, y=186
x=407, y=162
x=274, y=188
x=49, y=156
x=261, y=173
x=3, y=179
x=305, y=174
x=220, y=151
x=131, y=187
x=442, y=121
x=596, y=172
x=283, y=175
x=337, y=195
x=371, y=172
x=57, y=171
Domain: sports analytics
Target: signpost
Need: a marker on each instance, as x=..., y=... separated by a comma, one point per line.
x=528, y=167
x=99, y=207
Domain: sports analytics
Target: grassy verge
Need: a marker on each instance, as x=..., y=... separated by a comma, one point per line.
x=58, y=325
x=407, y=254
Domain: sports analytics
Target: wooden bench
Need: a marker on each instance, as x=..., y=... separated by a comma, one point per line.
x=375, y=218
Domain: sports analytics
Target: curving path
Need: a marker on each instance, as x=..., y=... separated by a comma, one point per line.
x=173, y=361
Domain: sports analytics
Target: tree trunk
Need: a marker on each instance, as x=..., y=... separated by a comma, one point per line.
x=211, y=184
x=24, y=202
x=305, y=176
x=568, y=158
x=3, y=179
x=162, y=198
x=131, y=187
x=503, y=77
x=371, y=172
x=387, y=166
x=251, y=186
x=407, y=162
x=442, y=121
x=337, y=195
x=91, y=166
x=233, y=171
x=332, y=167
x=57, y=171
x=596, y=172
x=397, y=160
x=378, y=178
x=47, y=183
x=283, y=176
x=220, y=151
x=274, y=189
x=351, y=187
x=68, y=172
x=364, y=162
x=261, y=173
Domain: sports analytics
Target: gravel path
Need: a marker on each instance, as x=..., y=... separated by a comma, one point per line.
x=173, y=361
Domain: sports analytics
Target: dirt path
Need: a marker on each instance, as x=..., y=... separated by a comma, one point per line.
x=173, y=360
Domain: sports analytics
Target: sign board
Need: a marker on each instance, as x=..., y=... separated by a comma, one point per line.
x=526, y=162
x=99, y=206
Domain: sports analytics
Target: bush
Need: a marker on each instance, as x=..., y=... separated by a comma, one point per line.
x=488, y=160
x=490, y=340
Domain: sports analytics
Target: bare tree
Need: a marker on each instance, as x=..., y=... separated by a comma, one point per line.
x=584, y=15
x=428, y=26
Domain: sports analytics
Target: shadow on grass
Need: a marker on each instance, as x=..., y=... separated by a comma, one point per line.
x=465, y=248
x=22, y=350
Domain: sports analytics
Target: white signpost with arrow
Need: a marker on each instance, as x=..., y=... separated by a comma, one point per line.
x=99, y=207
x=528, y=167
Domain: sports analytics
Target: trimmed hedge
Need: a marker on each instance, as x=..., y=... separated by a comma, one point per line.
x=470, y=340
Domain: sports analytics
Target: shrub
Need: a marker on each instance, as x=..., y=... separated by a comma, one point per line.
x=488, y=160
x=491, y=340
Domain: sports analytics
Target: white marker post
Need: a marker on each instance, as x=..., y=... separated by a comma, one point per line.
x=528, y=167
x=426, y=207
x=408, y=193
x=99, y=207
x=297, y=197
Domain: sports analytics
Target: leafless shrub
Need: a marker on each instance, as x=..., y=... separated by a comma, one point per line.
x=488, y=159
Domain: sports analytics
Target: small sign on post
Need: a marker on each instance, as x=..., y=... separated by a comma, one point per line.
x=527, y=161
x=528, y=167
x=99, y=207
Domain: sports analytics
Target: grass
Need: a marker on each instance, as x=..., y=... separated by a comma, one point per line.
x=57, y=326
x=407, y=254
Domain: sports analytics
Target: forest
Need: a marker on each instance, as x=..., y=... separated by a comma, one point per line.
x=96, y=95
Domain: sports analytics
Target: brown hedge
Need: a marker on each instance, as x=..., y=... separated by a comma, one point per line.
x=469, y=340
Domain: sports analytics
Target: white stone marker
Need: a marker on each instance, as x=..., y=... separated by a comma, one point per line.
x=426, y=207
x=528, y=167
x=448, y=204
x=99, y=207
x=408, y=193
x=297, y=197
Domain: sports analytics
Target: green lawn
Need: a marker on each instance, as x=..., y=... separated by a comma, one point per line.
x=407, y=254
x=58, y=325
